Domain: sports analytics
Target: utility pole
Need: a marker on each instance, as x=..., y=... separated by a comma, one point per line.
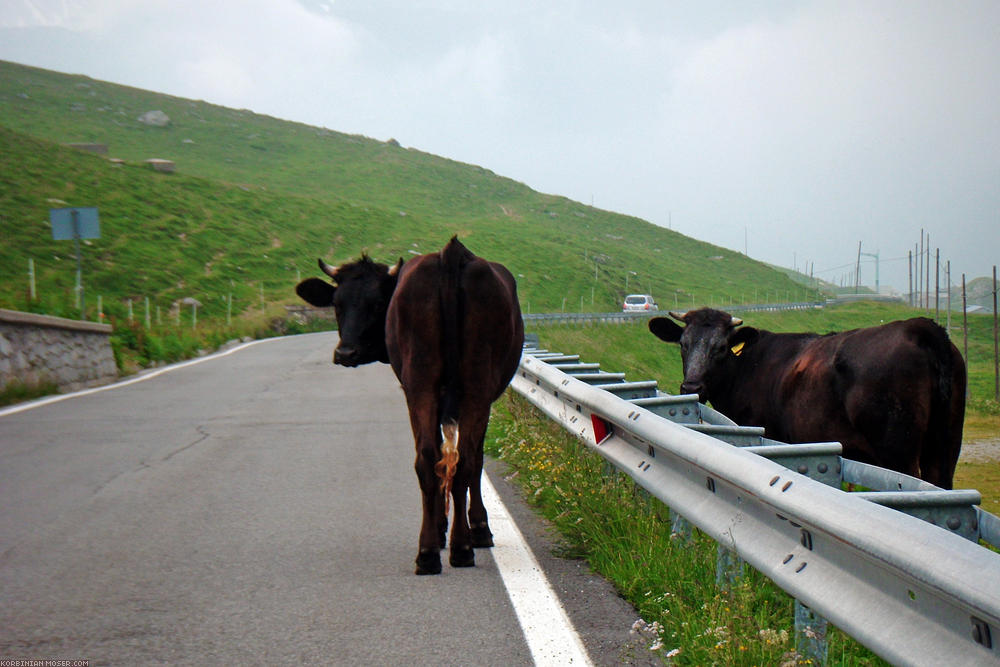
x=937, y=284
x=868, y=254
x=857, y=270
x=909, y=257
x=927, y=277
x=920, y=271
x=948, y=279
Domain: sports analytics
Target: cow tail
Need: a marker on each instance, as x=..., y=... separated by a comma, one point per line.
x=453, y=258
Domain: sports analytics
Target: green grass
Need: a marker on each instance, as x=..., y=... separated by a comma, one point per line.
x=624, y=534
x=256, y=199
x=17, y=392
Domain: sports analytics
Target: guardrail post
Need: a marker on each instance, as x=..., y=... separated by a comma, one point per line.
x=810, y=635
x=728, y=566
x=679, y=526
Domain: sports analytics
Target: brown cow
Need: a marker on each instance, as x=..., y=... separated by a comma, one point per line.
x=892, y=395
x=450, y=325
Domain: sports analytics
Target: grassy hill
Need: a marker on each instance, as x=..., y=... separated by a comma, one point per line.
x=256, y=199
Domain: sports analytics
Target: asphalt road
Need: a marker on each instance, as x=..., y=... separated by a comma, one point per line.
x=254, y=508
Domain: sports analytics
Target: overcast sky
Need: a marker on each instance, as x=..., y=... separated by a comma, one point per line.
x=793, y=130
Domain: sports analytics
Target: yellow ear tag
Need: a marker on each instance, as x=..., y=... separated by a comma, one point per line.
x=738, y=349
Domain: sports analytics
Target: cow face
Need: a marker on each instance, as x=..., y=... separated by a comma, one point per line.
x=360, y=296
x=708, y=341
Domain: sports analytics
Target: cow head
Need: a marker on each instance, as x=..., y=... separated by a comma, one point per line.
x=709, y=342
x=360, y=296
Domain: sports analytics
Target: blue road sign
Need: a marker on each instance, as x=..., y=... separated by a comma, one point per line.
x=70, y=223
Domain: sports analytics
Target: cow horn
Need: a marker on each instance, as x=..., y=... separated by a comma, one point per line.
x=394, y=269
x=327, y=269
x=677, y=316
x=736, y=321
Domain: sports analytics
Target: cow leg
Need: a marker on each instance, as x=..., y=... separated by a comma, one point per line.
x=427, y=434
x=462, y=554
x=478, y=522
x=429, y=554
x=482, y=536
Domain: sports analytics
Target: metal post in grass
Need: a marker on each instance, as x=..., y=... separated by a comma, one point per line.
x=229, y=309
x=147, y=320
x=75, y=224
x=810, y=636
x=728, y=566
x=679, y=527
x=31, y=279
x=130, y=314
x=194, y=314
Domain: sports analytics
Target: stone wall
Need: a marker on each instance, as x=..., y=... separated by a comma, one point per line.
x=36, y=349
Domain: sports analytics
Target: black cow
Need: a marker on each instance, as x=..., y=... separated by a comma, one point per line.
x=450, y=325
x=892, y=395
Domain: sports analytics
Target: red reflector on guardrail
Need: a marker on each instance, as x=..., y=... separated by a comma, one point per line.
x=602, y=429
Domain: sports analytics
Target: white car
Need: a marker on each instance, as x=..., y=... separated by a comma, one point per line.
x=639, y=302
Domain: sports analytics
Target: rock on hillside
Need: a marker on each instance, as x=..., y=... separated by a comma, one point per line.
x=154, y=118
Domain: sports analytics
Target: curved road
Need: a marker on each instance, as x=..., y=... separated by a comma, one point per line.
x=249, y=508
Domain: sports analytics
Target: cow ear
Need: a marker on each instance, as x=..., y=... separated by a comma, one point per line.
x=743, y=336
x=666, y=329
x=316, y=292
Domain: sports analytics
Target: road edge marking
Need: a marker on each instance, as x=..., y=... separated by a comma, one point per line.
x=547, y=628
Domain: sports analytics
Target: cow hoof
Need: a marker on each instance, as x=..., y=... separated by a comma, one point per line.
x=428, y=562
x=482, y=537
x=462, y=557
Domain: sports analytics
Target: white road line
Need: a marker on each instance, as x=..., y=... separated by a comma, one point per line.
x=547, y=629
x=21, y=407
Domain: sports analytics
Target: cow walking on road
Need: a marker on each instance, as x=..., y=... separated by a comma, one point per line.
x=450, y=325
x=892, y=395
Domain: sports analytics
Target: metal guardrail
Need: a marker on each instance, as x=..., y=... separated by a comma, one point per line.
x=871, y=563
x=636, y=316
